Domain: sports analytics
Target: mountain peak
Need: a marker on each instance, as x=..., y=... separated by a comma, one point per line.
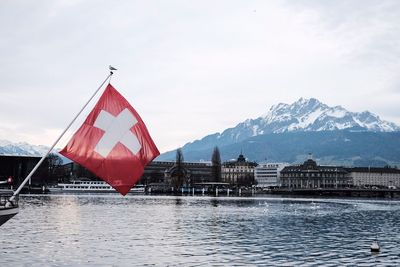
x=21, y=149
x=305, y=114
x=313, y=115
x=304, y=101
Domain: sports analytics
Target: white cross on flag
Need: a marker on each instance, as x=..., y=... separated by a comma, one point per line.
x=113, y=142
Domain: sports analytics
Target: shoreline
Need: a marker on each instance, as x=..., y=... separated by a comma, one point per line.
x=223, y=192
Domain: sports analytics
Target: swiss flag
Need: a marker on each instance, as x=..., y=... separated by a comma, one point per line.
x=113, y=142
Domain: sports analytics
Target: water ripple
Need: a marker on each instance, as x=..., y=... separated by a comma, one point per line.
x=108, y=230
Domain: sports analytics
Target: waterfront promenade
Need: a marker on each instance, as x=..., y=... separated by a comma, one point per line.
x=340, y=192
x=224, y=191
x=312, y=192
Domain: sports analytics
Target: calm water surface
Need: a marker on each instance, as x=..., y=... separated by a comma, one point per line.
x=110, y=230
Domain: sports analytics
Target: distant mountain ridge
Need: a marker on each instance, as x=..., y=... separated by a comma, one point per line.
x=312, y=115
x=302, y=116
x=8, y=148
x=306, y=115
x=341, y=147
x=21, y=149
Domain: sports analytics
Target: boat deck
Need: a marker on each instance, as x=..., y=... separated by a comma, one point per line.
x=8, y=209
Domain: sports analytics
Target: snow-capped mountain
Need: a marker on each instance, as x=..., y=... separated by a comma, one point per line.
x=307, y=115
x=21, y=149
x=312, y=115
x=302, y=116
x=8, y=148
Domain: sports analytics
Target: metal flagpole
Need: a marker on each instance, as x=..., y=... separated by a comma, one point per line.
x=16, y=192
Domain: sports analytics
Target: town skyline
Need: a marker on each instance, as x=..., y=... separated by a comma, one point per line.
x=287, y=133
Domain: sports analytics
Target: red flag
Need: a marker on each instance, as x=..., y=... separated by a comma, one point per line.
x=113, y=142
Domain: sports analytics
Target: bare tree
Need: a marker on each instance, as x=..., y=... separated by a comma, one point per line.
x=49, y=167
x=178, y=175
x=179, y=158
x=54, y=162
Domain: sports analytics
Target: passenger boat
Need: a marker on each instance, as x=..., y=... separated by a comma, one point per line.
x=82, y=186
x=7, y=208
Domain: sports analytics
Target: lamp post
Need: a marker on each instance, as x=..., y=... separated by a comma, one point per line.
x=336, y=178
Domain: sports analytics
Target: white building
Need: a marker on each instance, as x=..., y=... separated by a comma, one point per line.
x=382, y=177
x=268, y=174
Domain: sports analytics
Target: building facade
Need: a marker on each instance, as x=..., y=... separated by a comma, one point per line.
x=18, y=167
x=267, y=175
x=310, y=175
x=239, y=172
x=379, y=177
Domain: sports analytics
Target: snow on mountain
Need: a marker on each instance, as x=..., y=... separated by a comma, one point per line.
x=305, y=115
x=21, y=149
x=312, y=115
x=8, y=148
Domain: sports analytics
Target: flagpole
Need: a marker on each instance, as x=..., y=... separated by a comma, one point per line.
x=16, y=192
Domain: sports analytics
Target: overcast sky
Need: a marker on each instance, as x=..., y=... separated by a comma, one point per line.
x=192, y=68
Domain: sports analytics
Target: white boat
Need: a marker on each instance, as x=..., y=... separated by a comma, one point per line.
x=7, y=208
x=81, y=186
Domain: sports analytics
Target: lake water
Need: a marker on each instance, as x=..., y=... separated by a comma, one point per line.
x=110, y=230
